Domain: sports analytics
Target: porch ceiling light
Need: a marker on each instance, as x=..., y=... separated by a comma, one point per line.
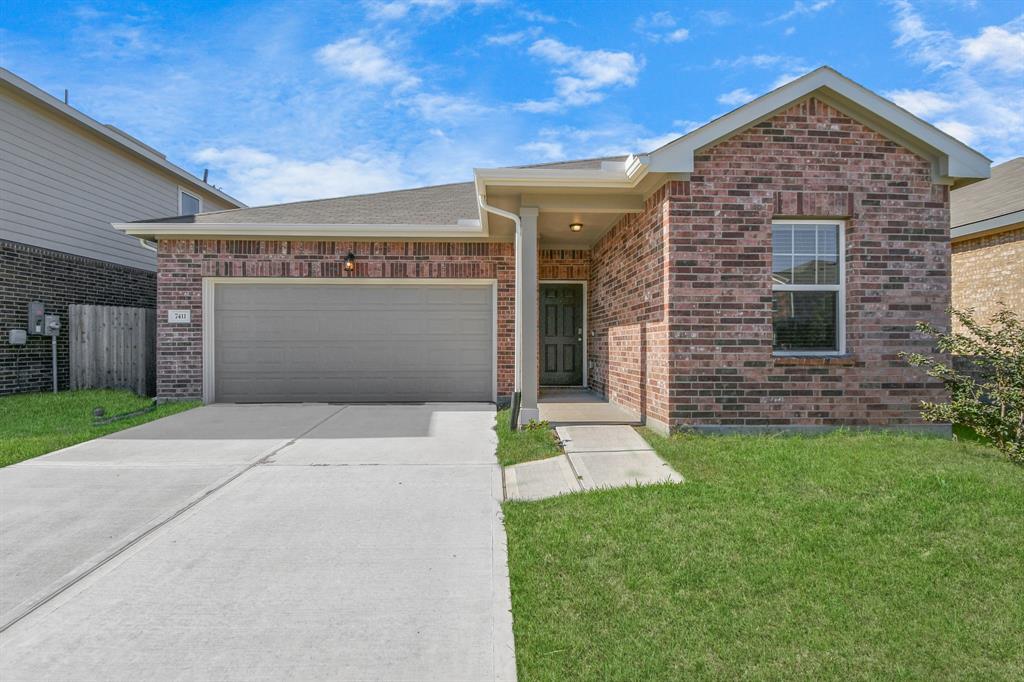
x=350, y=262
x=576, y=227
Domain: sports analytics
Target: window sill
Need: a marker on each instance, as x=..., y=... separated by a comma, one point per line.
x=783, y=359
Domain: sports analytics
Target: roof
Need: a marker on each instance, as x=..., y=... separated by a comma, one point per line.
x=1001, y=194
x=434, y=205
x=111, y=133
x=607, y=185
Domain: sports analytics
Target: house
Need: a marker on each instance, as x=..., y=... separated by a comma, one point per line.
x=64, y=178
x=987, y=221
x=762, y=271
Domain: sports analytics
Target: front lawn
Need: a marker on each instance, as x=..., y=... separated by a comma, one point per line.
x=846, y=556
x=526, y=444
x=32, y=424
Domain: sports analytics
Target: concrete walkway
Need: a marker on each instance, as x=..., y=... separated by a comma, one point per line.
x=301, y=542
x=595, y=457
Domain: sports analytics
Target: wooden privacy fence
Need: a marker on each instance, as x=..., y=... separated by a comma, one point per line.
x=113, y=347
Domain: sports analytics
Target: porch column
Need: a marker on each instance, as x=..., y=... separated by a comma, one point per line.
x=527, y=309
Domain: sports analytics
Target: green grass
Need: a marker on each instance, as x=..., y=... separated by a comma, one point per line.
x=846, y=556
x=524, y=445
x=32, y=424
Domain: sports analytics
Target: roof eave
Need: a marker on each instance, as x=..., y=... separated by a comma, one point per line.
x=992, y=225
x=954, y=163
x=155, y=231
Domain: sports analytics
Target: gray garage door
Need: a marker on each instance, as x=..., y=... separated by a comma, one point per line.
x=353, y=342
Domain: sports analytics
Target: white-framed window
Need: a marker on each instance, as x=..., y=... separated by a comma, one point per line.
x=808, y=287
x=188, y=203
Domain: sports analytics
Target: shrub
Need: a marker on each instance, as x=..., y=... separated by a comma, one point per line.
x=989, y=400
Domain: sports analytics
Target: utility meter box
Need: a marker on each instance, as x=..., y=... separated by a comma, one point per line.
x=17, y=337
x=36, y=313
x=51, y=325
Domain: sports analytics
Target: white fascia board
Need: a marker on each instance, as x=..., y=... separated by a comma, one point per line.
x=954, y=160
x=198, y=230
x=48, y=100
x=553, y=177
x=995, y=224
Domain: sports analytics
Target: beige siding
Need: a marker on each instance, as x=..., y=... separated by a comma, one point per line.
x=61, y=186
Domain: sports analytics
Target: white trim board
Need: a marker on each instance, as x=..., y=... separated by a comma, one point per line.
x=208, y=306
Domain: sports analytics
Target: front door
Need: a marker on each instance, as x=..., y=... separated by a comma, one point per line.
x=561, y=334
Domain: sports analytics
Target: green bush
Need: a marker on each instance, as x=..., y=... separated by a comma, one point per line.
x=989, y=400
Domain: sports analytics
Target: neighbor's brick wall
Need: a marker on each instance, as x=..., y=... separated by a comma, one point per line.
x=809, y=161
x=628, y=331
x=989, y=270
x=184, y=263
x=31, y=273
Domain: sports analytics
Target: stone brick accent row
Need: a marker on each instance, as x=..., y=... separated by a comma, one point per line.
x=987, y=271
x=30, y=273
x=184, y=263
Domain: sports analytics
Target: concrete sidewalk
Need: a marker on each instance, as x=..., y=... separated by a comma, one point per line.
x=606, y=456
x=367, y=545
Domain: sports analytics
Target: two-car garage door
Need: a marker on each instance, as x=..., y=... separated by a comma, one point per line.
x=353, y=342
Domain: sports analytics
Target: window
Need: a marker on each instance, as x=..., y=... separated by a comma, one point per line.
x=807, y=287
x=188, y=204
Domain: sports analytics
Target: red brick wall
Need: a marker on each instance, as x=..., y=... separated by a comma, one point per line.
x=573, y=264
x=987, y=271
x=809, y=161
x=628, y=327
x=184, y=263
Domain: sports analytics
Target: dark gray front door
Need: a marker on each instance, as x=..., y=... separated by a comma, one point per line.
x=561, y=334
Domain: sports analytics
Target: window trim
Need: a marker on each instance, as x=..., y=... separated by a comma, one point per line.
x=840, y=290
x=194, y=195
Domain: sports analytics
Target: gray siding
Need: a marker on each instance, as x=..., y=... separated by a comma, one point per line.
x=61, y=186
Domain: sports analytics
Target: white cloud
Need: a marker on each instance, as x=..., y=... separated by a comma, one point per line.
x=514, y=37
x=264, y=178
x=393, y=10
x=997, y=48
x=546, y=151
x=582, y=75
x=537, y=17
x=364, y=61
x=801, y=8
x=783, y=78
x=923, y=103
x=736, y=97
x=976, y=94
x=716, y=17
x=660, y=27
x=447, y=108
x=790, y=30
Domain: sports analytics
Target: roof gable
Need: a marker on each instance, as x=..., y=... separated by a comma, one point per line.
x=953, y=162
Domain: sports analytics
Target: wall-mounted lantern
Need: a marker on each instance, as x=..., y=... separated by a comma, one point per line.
x=350, y=262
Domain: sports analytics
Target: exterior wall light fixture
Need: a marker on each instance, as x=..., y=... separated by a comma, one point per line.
x=350, y=262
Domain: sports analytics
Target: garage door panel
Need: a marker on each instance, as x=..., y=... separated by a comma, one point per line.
x=353, y=343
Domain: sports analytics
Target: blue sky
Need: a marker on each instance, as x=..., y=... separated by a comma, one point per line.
x=285, y=101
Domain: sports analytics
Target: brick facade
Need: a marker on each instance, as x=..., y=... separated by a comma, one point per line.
x=682, y=298
x=563, y=264
x=30, y=273
x=987, y=271
x=184, y=263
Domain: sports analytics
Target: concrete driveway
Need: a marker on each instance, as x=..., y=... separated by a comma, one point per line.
x=259, y=542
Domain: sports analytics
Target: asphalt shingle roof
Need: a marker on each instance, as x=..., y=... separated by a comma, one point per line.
x=1001, y=194
x=435, y=205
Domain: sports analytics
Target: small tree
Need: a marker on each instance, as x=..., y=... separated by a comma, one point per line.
x=989, y=400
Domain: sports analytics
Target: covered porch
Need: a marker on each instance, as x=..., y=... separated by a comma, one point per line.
x=565, y=212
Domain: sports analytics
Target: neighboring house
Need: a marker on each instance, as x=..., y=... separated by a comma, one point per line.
x=988, y=242
x=63, y=179
x=762, y=271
